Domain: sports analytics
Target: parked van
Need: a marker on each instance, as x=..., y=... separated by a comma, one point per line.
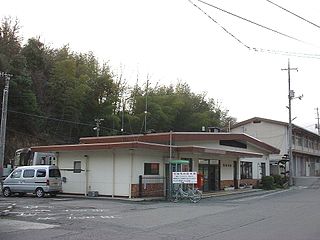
x=39, y=179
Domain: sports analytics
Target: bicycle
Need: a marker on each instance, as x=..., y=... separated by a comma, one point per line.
x=194, y=195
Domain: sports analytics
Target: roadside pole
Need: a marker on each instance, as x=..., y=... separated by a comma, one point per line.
x=3, y=121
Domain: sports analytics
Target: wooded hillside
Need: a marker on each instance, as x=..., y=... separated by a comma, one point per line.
x=55, y=96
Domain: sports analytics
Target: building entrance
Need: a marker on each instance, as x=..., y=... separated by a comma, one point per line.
x=210, y=169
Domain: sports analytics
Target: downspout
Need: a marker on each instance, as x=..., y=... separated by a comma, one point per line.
x=113, y=172
x=170, y=166
x=131, y=172
x=86, y=175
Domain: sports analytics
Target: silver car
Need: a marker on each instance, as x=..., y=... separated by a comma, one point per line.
x=39, y=180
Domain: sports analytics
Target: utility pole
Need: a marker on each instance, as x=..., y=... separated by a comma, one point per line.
x=146, y=108
x=4, y=120
x=97, y=127
x=318, y=125
x=122, y=115
x=290, y=97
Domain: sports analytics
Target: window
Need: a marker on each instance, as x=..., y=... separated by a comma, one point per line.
x=263, y=169
x=77, y=167
x=246, y=170
x=232, y=143
x=151, y=169
x=55, y=172
x=16, y=174
x=29, y=173
x=41, y=173
x=300, y=141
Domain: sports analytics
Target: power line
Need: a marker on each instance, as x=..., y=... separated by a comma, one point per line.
x=224, y=29
x=51, y=118
x=302, y=18
x=252, y=22
x=61, y=120
x=270, y=51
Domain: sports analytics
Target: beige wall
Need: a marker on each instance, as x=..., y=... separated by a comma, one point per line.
x=109, y=172
x=273, y=134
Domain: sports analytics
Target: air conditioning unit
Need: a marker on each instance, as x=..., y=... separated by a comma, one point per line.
x=93, y=194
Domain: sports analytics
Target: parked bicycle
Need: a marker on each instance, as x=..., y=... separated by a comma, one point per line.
x=194, y=195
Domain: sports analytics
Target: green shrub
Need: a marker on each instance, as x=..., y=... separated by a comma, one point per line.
x=267, y=182
x=278, y=181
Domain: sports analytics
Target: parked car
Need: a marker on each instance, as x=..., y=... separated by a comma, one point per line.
x=39, y=180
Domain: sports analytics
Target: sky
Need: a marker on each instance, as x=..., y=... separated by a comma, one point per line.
x=238, y=61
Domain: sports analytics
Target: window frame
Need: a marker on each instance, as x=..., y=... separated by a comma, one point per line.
x=77, y=166
x=26, y=173
x=13, y=175
x=43, y=171
x=246, y=170
x=149, y=170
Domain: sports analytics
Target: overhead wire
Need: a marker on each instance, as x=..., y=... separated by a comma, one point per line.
x=61, y=120
x=255, y=23
x=302, y=18
x=256, y=49
x=228, y=32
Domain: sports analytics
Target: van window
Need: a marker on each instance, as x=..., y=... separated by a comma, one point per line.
x=41, y=173
x=28, y=173
x=54, y=173
x=16, y=174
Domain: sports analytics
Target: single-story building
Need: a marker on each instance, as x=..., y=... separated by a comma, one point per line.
x=131, y=165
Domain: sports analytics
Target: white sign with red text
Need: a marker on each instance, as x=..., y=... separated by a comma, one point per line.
x=184, y=177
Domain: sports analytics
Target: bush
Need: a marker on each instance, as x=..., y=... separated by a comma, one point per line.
x=278, y=181
x=267, y=182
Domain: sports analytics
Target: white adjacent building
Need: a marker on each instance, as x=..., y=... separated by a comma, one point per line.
x=305, y=144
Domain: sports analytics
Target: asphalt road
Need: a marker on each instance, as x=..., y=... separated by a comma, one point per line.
x=287, y=215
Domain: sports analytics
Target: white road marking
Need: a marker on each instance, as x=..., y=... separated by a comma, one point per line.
x=7, y=225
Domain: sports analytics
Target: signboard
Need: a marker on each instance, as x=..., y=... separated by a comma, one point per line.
x=184, y=177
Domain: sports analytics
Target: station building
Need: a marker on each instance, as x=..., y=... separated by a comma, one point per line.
x=139, y=165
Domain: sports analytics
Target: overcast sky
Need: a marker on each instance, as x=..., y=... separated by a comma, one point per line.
x=171, y=40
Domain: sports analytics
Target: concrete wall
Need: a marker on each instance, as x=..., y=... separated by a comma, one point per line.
x=273, y=134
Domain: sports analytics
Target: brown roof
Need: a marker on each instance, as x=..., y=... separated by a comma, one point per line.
x=143, y=145
x=164, y=138
x=250, y=120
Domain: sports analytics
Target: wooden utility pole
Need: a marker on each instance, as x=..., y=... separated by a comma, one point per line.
x=146, y=107
x=6, y=77
x=290, y=97
x=318, y=119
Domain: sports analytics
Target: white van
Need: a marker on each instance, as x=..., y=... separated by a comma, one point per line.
x=39, y=179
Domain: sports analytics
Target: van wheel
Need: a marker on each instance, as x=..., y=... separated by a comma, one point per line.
x=39, y=192
x=6, y=192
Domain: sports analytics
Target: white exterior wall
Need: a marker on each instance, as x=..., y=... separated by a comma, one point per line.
x=75, y=182
x=146, y=156
x=256, y=166
x=123, y=172
x=273, y=134
x=100, y=174
x=226, y=170
x=109, y=172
